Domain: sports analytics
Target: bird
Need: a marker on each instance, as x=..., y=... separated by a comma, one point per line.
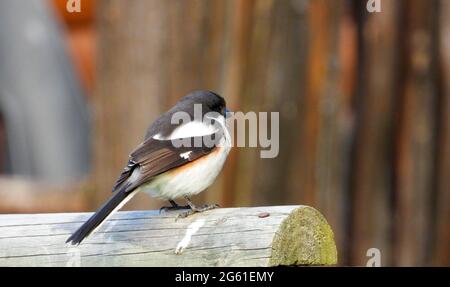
x=174, y=160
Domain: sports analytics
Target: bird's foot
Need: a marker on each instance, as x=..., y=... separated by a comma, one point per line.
x=195, y=209
x=174, y=206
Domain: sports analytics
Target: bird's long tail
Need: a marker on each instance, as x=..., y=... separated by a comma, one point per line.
x=112, y=205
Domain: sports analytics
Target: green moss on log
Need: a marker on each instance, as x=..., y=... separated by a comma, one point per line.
x=304, y=238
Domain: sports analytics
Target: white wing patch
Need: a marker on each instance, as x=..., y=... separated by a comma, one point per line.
x=191, y=129
x=158, y=137
x=185, y=155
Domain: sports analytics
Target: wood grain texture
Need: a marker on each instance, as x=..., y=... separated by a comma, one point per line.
x=442, y=213
x=257, y=236
x=377, y=90
x=416, y=137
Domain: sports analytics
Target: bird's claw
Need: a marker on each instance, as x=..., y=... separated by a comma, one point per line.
x=170, y=208
x=194, y=209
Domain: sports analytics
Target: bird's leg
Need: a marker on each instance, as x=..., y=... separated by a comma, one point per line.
x=195, y=209
x=174, y=206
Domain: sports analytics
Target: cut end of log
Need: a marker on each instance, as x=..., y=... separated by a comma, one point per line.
x=304, y=238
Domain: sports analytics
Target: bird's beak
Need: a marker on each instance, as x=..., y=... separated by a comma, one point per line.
x=227, y=113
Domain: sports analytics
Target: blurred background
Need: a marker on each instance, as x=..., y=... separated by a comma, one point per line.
x=364, y=102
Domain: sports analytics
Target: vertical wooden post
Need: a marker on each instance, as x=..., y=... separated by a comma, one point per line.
x=377, y=91
x=442, y=215
x=416, y=136
x=132, y=83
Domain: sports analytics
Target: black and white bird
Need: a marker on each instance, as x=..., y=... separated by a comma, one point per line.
x=174, y=160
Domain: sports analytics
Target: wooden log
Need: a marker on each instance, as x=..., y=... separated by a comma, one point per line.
x=256, y=236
